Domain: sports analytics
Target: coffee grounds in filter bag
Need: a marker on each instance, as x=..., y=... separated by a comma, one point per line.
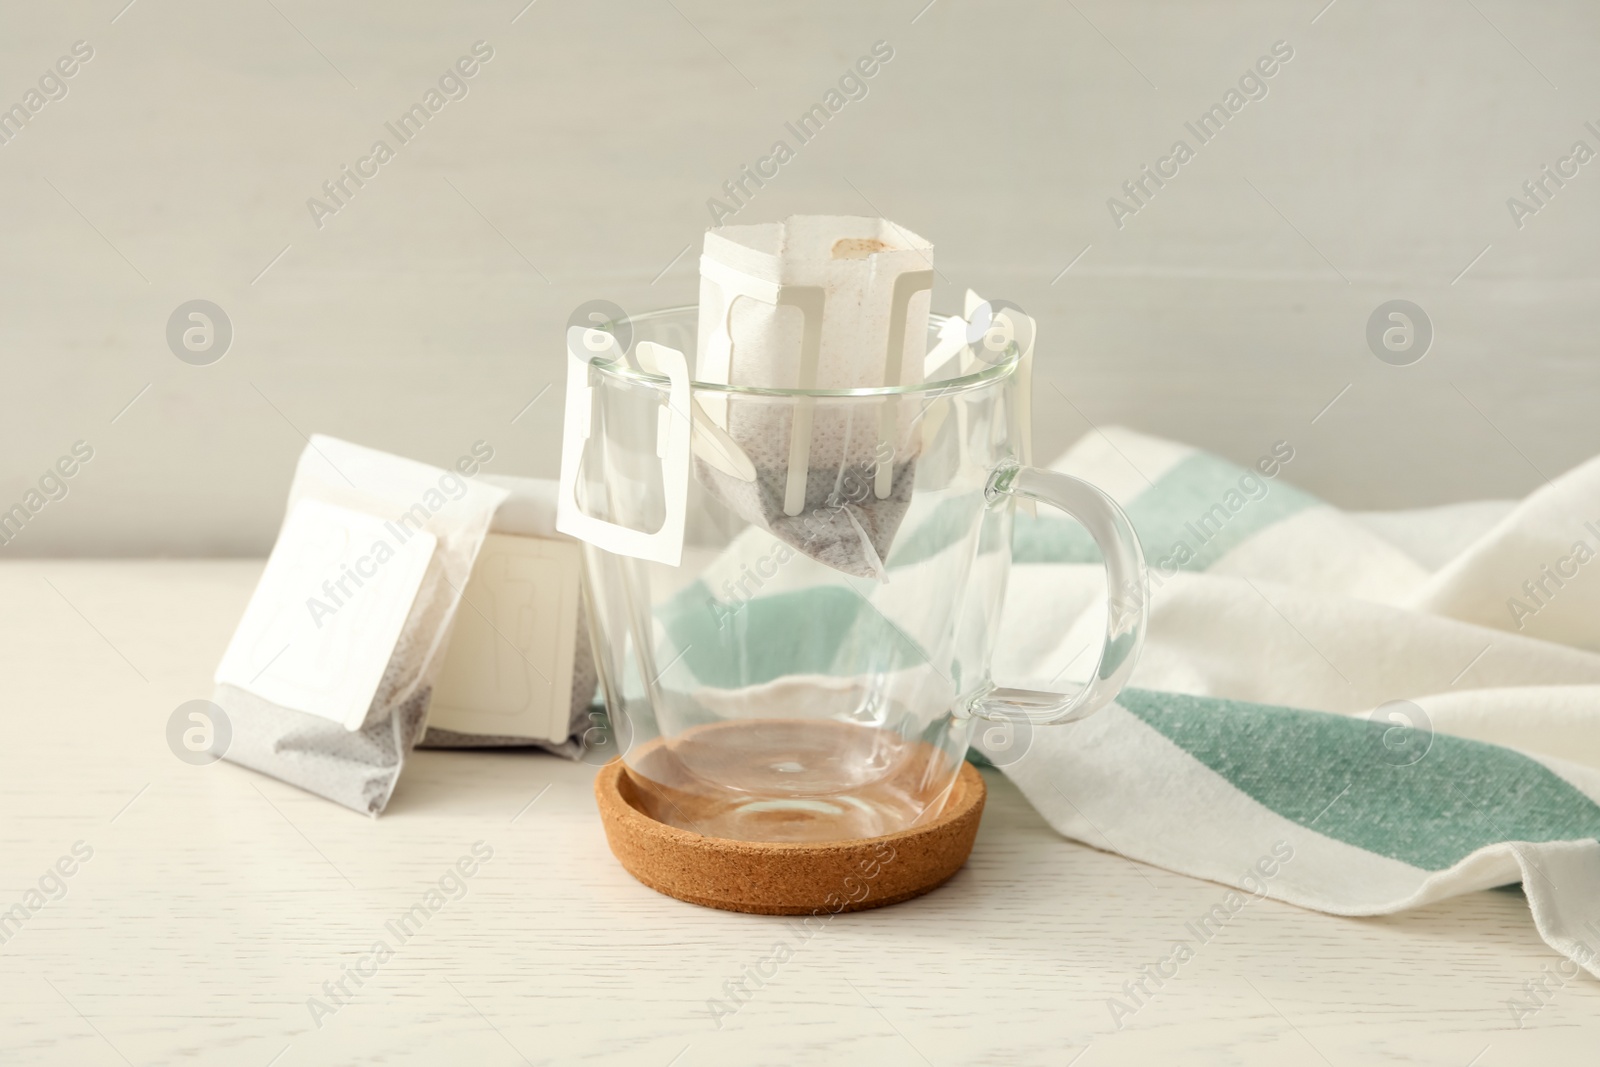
x=842, y=522
x=857, y=289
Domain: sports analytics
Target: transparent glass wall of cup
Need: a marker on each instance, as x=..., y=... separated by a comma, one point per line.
x=756, y=693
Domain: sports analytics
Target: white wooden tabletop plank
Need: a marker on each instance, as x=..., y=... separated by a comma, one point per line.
x=219, y=900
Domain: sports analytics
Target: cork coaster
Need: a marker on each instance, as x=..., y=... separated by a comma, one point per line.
x=788, y=878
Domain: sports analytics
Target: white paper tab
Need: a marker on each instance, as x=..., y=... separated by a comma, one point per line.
x=322, y=624
x=509, y=669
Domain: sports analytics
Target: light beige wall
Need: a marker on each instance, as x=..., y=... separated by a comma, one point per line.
x=428, y=311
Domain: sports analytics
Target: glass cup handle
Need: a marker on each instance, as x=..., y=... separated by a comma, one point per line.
x=1127, y=598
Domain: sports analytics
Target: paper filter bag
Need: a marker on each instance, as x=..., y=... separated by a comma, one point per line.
x=815, y=302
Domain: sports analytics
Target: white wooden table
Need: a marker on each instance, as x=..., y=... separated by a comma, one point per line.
x=218, y=901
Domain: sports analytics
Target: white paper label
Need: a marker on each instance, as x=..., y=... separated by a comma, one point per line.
x=322, y=624
x=508, y=672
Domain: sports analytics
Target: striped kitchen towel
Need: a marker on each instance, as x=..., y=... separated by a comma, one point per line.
x=1406, y=703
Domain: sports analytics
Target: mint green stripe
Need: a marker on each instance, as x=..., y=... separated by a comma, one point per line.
x=1193, y=515
x=1327, y=772
x=820, y=630
x=949, y=521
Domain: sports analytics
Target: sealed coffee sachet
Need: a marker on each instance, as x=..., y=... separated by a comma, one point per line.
x=328, y=680
x=815, y=303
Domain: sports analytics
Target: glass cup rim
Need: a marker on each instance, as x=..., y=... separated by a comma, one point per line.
x=992, y=372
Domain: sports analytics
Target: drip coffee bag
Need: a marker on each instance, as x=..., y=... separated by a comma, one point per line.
x=519, y=670
x=815, y=303
x=327, y=679
x=406, y=605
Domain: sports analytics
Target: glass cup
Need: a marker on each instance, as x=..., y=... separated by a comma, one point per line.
x=794, y=642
